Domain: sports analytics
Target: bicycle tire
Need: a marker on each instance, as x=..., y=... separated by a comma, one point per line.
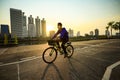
x=44, y=56
x=70, y=54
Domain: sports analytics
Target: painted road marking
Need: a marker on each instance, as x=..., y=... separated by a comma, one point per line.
x=26, y=58
x=18, y=62
x=3, y=51
x=18, y=69
x=108, y=71
x=22, y=60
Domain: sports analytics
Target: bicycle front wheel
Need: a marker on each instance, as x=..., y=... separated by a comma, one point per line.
x=49, y=55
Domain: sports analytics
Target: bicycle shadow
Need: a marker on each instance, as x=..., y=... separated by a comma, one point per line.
x=74, y=74
x=56, y=69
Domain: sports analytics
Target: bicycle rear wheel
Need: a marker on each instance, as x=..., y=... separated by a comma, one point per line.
x=49, y=55
x=70, y=50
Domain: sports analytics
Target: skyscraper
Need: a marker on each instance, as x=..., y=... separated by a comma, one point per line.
x=37, y=22
x=24, y=25
x=31, y=28
x=16, y=22
x=70, y=32
x=78, y=33
x=107, y=33
x=91, y=35
x=43, y=25
x=5, y=30
x=96, y=33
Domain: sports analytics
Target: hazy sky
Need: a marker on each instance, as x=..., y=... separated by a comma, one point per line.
x=79, y=15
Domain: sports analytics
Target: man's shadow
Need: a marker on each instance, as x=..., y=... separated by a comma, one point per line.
x=56, y=69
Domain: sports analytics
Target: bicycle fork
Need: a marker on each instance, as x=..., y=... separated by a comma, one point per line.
x=51, y=52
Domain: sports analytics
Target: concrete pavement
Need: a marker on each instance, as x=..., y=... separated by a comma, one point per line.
x=89, y=62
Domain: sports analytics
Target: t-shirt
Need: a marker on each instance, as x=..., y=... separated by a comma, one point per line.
x=63, y=34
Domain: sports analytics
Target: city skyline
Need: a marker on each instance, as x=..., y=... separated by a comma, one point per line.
x=19, y=25
x=83, y=16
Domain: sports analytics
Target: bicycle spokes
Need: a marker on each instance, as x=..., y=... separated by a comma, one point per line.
x=69, y=50
x=49, y=55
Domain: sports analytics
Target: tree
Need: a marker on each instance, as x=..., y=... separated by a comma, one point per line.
x=110, y=24
x=107, y=27
x=116, y=26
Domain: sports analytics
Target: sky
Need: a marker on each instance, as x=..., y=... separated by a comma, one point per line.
x=79, y=15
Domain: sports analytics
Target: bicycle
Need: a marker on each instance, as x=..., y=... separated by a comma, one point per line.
x=50, y=54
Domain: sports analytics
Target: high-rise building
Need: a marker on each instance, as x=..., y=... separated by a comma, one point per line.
x=96, y=33
x=37, y=22
x=107, y=33
x=78, y=33
x=16, y=22
x=24, y=25
x=43, y=26
x=71, y=33
x=51, y=33
x=5, y=30
x=31, y=27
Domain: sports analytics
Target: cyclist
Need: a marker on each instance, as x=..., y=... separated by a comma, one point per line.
x=63, y=37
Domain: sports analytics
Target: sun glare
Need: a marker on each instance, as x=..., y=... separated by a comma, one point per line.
x=49, y=28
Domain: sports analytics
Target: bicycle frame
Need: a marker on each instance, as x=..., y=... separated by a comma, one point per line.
x=52, y=51
x=56, y=47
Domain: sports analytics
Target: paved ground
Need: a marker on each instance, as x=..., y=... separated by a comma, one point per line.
x=92, y=60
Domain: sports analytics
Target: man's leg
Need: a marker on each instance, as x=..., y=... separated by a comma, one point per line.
x=57, y=41
x=58, y=44
x=64, y=49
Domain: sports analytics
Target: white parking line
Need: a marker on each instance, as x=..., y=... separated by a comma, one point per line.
x=17, y=62
x=3, y=51
x=18, y=69
x=108, y=71
x=26, y=58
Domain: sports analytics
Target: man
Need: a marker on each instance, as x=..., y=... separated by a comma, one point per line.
x=63, y=37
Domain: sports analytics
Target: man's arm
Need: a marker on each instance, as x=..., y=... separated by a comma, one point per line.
x=56, y=34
